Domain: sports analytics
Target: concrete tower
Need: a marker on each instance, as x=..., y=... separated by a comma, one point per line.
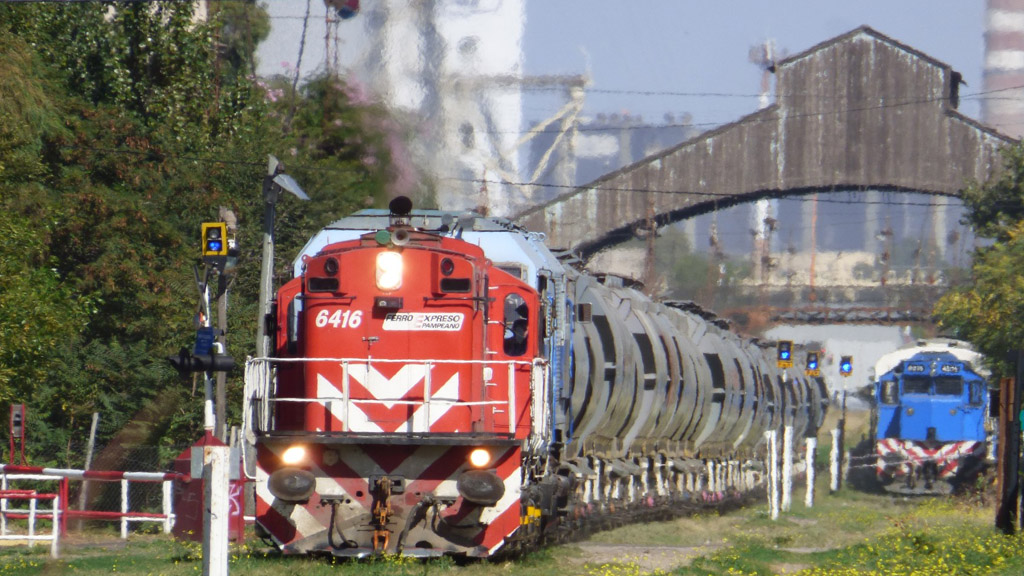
x=1003, y=104
x=456, y=67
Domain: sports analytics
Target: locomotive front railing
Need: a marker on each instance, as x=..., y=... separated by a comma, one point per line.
x=261, y=398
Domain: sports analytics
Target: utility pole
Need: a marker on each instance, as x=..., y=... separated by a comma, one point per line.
x=273, y=182
x=223, y=281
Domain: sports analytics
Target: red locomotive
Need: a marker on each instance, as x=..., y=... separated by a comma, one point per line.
x=404, y=369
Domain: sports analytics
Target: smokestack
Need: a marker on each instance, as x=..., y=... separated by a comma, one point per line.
x=1003, y=104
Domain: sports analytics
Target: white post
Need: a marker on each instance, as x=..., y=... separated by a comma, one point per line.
x=55, y=534
x=168, y=507
x=773, y=473
x=811, y=448
x=215, y=519
x=3, y=506
x=834, y=461
x=32, y=521
x=787, y=468
x=124, y=508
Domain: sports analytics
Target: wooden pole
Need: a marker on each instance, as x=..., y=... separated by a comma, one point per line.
x=1009, y=449
x=83, y=496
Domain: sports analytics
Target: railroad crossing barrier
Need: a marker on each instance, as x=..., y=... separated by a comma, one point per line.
x=31, y=514
x=62, y=512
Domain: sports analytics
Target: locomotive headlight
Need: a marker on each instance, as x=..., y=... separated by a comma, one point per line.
x=389, y=271
x=479, y=458
x=294, y=455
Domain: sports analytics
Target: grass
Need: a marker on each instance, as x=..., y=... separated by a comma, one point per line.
x=844, y=534
x=847, y=533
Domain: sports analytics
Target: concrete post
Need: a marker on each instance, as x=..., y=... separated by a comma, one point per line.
x=215, y=520
x=811, y=448
x=834, y=460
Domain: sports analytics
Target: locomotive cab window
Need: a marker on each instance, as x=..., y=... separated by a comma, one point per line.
x=917, y=385
x=516, y=322
x=949, y=386
x=977, y=394
x=890, y=392
x=294, y=313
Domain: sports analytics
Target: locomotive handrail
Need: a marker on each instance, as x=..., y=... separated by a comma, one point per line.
x=272, y=359
x=259, y=398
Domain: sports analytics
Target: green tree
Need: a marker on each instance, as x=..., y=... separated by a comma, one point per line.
x=996, y=206
x=984, y=311
x=120, y=132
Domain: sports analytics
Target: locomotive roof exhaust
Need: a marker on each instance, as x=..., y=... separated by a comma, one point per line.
x=400, y=208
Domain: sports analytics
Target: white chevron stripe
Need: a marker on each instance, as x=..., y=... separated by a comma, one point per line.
x=388, y=389
x=511, y=497
x=359, y=421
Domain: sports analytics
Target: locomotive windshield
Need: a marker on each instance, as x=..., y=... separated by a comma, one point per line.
x=917, y=385
x=949, y=386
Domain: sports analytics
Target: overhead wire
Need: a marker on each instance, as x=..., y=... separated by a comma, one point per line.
x=813, y=114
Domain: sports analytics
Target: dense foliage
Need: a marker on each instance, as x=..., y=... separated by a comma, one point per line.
x=985, y=311
x=123, y=126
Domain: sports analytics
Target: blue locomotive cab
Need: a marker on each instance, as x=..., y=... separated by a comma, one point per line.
x=932, y=397
x=929, y=417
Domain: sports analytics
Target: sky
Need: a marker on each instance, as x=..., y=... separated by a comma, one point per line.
x=655, y=57
x=694, y=56
x=687, y=47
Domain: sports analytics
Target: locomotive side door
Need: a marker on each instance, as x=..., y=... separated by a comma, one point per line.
x=513, y=335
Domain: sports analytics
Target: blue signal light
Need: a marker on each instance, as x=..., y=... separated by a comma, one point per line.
x=846, y=365
x=784, y=350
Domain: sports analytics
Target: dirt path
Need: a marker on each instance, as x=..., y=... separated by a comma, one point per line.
x=649, y=558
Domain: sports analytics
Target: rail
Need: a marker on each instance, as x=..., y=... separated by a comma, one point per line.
x=260, y=396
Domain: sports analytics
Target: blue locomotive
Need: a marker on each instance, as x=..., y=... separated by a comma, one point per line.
x=929, y=417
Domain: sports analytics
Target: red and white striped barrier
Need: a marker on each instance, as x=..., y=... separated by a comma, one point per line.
x=103, y=475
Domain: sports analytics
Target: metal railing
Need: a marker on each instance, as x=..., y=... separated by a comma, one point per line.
x=260, y=396
x=126, y=516
x=31, y=514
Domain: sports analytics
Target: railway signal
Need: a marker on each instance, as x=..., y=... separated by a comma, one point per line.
x=812, y=365
x=185, y=362
x=17, y=433
x=215, y=239
x=846, y=365
x=785, y=353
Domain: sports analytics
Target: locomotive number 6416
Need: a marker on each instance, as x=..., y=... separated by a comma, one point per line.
x=339, y=318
